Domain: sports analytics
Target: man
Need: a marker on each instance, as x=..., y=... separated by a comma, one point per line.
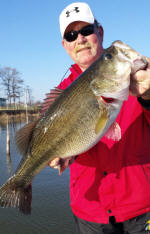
x=109, y=184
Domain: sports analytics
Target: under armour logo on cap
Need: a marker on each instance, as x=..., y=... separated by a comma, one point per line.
x=76, y=9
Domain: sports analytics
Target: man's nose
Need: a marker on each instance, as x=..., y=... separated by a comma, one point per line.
x=81, y=39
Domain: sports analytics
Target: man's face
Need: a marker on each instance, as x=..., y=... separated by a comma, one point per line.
x=85, y=49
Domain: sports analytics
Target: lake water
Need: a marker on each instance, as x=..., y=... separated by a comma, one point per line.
x=51, y=212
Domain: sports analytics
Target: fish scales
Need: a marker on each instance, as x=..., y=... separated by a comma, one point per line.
x=70, y=116
x=75, y=134
x=65, y=107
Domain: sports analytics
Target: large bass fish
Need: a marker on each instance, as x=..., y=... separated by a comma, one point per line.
x=75, y=121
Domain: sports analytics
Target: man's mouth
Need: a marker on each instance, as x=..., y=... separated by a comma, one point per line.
x=82, y=49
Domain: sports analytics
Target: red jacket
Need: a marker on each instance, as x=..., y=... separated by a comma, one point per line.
x=113, y=178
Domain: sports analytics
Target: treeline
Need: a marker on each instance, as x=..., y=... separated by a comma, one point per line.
x=13, y=86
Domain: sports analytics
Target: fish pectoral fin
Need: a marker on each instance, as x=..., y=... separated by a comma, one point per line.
x=114, y=132
x=101, y=122
x=23, y=137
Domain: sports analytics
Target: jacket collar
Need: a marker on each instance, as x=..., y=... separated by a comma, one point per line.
x=75, y=71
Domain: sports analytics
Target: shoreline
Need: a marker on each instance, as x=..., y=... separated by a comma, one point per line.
x=17, y=118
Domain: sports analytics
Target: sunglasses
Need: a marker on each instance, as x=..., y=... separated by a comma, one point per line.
x=85, y=31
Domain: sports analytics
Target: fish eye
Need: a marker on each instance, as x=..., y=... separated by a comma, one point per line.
x=108, y=56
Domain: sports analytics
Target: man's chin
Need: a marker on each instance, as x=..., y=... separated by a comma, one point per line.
x=84, y=55
x=85, y=60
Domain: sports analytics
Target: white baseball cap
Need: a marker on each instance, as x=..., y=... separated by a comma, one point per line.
x=78, y=11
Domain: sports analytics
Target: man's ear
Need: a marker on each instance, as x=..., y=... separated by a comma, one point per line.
x=63, y=43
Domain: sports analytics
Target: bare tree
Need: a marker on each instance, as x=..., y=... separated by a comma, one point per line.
x=5, y=74
x=16, y=85
x=11, y=82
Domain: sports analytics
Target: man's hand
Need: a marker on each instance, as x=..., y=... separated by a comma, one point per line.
x=61, y=164
x=140, y=83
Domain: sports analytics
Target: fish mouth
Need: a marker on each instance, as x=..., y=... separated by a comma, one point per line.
x=107, y=99
x=139, y=64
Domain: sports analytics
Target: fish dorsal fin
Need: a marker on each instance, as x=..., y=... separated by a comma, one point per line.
x=50, y=98
x=101, y=122
x=23, y=137
x=53, y=95
x=114, y=132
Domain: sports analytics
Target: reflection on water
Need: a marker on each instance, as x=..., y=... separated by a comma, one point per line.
x=51, y=211
x=8, y=163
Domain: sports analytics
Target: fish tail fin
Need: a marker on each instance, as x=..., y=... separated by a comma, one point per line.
x=12, y=195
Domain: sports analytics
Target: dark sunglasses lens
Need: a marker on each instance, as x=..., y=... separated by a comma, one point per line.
x=85, y=31
x=71, y=36
x=88, y=30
